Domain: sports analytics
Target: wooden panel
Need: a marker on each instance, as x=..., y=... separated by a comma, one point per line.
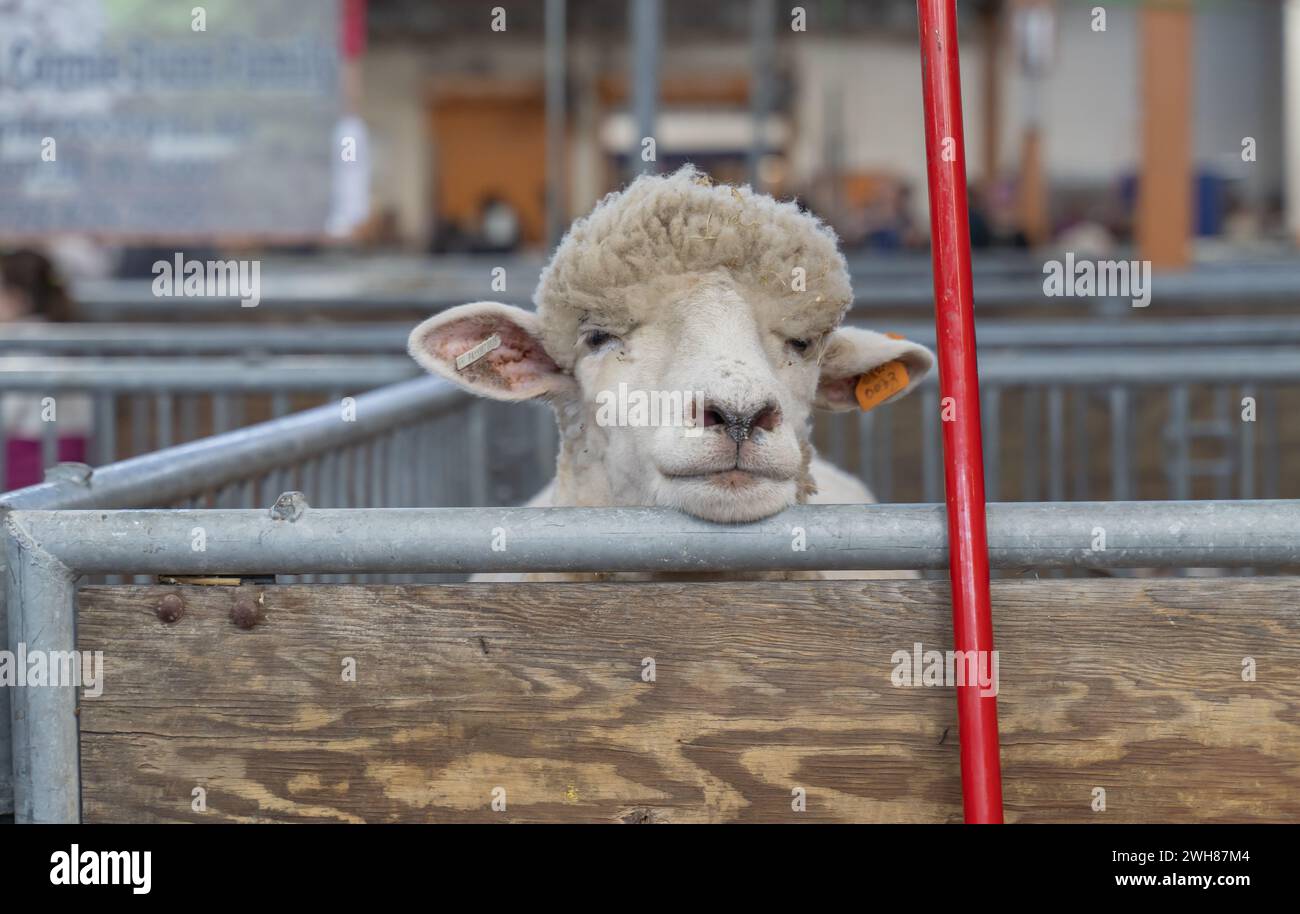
x=1134, y=686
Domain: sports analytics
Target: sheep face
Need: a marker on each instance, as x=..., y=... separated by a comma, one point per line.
x=682, y=367
x=705, y=409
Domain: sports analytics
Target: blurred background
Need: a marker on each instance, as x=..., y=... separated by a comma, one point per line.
x=378, y=160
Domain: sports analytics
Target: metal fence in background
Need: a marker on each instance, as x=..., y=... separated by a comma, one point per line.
x=122, y=407
x=1233, y=287
x=1069, y=413
x=388, y=338
x=423, y=443
x=1077, y=425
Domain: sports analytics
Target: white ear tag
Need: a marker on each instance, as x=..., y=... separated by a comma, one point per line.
x=470, y=356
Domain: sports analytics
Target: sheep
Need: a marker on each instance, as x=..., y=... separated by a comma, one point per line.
x=675, y=284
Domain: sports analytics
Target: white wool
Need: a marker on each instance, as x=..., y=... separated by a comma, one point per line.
x=661, y=228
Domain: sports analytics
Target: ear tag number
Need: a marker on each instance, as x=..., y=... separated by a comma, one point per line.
x=880, y=383
x=470, y=356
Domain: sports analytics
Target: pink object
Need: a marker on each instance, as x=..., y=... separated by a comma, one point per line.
x=23, y=459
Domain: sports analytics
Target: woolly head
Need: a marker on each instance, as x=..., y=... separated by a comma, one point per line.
x=684, y=332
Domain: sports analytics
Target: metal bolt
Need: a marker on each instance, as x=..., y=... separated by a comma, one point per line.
x=171, y=607
x=244, y=614
x=289, y=506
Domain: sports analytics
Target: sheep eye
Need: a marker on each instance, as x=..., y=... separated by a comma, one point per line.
x=597, y=338
x=800, y=346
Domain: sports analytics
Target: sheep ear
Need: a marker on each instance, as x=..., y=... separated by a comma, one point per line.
x=489, y=349
x=852, y=352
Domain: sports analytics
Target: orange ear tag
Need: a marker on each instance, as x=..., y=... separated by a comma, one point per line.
x=880, y=383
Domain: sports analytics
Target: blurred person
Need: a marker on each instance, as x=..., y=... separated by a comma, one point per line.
x=32, y=292
x=1085, y=236
x=449, y=238
x=1000, y=200
x=981, y=229
x=1243, y=223
x=30, y=289
x=498, y=226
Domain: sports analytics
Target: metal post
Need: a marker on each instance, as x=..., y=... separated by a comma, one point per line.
x=929, y=405
x=644, y=88
x=992, y=418
x=555, y=121
x=39, y=594
x=762, y=37
x=1056, y=444
x=1121, y=480
x=1081, y=443
x=1180, y=466
x=1246, y=455
x=977, y=718
x=1031, y=454
x=884, y=488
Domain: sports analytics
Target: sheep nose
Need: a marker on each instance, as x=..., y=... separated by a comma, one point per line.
x=739, y=423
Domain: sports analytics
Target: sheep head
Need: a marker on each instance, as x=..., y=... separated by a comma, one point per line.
x=684, y=333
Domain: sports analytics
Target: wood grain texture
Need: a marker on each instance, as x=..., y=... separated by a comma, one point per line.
x=1134, y=686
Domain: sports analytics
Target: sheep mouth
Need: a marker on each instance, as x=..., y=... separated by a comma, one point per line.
x=731, y=477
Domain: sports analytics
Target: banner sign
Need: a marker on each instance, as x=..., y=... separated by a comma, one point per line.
x=158, y=118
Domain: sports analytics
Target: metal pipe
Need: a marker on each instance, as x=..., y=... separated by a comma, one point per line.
x=43, y=719
x=1246, y=447
x=1121, y=481
x=930, y=456
x=203, y=339
x=291, y=373
x=839, y=537
x=178, y=472
x=644, y=82
x=991, y=415
x=389, y=338
x=977, y=719
x=1254, y=366
x=1179, y=442
x=1206, y=287
x=555, y=121
x=762, y=39
x=1055, y=444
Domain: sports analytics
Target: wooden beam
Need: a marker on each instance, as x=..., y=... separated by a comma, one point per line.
x=1165, y=205
x=1035, y=218
x=1133, y=687
x=1033, y=199
x=992, y=34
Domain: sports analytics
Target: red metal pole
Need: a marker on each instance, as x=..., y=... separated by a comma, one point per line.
x=945, y=144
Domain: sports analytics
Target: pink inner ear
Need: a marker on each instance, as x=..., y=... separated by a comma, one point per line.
x=839, y=392
x=518, y=364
